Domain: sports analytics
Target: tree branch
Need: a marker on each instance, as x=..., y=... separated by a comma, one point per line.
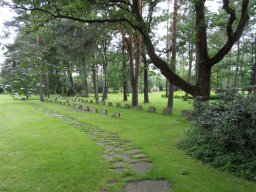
x=232, y=36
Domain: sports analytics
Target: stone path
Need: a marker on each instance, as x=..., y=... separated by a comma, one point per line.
x=123, y=156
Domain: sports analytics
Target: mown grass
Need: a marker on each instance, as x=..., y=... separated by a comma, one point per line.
x=40, y=153
x=157, y=135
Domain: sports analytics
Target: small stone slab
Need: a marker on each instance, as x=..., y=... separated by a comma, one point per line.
x=148, y=186
x=118, y=104
x=139, y=156
x=108, y=157
x=119, y=169
x=151, y=109
x=91, y=101
x=141, y=167
x=117, y=115
x=119, y=164
x=167, y=111
x=104, y=112
x=127, y=106
x=94, y=110
x=110, y=104
x=109, y=147
x=133, y=151
x=139, y=108
x=124, y=157
x=86, y=108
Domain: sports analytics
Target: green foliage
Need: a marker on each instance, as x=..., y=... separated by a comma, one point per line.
x=224, y=134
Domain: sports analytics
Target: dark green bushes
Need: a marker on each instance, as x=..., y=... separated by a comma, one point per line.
x=224, y=134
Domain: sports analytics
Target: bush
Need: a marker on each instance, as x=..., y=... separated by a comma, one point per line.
x=224, y=134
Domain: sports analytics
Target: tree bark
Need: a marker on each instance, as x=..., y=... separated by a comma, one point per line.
x=105, y=65
x=173, y=57
x=235, y=85
x=85, y=86
x=95, y=81
x=252, y=87
x=145, y=78
x=124, y=73
x=190, y=53
x=71, y=90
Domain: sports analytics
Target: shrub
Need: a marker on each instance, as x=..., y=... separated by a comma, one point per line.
x=224, y=134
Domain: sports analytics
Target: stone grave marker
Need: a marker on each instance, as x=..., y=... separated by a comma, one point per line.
x=118, y=104
x=167, y=111
x=110, y=104
x=127, y=106
x=117, y=115
x=139, y=108
x=86, y=108
x=151, y=109
x=104, y=112
x=94, y=110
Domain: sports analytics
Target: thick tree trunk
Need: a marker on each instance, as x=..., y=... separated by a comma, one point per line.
x=203, y=84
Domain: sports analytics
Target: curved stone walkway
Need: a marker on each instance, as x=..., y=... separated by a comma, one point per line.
x=123, y=156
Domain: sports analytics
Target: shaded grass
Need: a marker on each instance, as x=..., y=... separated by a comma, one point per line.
x=157, y=135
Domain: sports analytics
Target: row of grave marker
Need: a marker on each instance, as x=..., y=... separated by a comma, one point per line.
x=151, y=109
x=86, y=108
x=166, y=111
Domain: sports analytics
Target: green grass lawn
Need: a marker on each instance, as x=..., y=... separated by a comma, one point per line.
x=42, y=153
